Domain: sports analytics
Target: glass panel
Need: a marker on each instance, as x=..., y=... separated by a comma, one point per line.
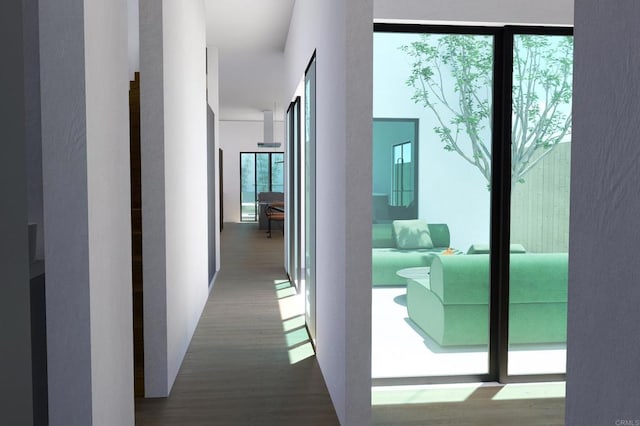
x=277, y=172
x=540, y=156
x=248, y=187
x=395, y=176
x=433, y=108
x=262, y=172
x=402, y=176
x=310, y=197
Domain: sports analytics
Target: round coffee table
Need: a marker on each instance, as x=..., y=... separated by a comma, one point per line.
x=421, y=272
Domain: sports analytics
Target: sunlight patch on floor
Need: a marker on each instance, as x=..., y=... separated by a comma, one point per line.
x=430, y=394
x=293, y=323
x=422, y=394
x=291, y=306
x=300, y=353
x=531, y=391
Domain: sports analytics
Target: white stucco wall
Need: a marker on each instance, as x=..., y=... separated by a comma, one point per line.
x=603, y=373
x=340, y=33
x=237, y=137
x=84, y=69
x=174, y=178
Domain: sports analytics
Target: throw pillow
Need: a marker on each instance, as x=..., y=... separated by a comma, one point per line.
x=412, y=234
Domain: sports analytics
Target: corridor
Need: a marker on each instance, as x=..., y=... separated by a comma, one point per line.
x=239, y=368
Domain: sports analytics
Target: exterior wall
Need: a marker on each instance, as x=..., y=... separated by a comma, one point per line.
x=540, y=205
x=237, y=137
x=174, y=183
x=603, y=373
x=343, y=191
x=84, y=85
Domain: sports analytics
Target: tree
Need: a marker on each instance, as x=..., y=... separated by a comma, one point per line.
x=452, y=76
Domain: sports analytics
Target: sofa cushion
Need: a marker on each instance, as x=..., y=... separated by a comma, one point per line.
x=412, y=234
x=534, y=278
x=382, y=236
x=461, y=279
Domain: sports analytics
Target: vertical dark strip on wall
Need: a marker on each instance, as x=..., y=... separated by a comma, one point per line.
x=221, y=186
x=136, y=236
x=211, y=192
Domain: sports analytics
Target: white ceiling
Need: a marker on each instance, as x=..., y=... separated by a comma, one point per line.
x=250, y=36
x=248, y=24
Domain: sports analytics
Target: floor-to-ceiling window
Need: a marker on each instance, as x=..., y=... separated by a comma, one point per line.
x=294, y=179
x=488, y=175
x=540, y=173
x=259, y=172
x=310, y=196
x=431, y=195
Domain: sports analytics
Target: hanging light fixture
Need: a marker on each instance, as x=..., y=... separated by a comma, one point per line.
x=268, y=132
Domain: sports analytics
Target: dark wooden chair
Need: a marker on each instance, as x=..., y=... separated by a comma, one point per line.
x=275, y=212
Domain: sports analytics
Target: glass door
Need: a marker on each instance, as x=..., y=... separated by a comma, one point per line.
x=473, y=285
x=259, y=172
x=540, y=176
x=248, y=197
x=430, y=298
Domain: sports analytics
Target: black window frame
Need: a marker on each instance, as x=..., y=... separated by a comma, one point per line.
x=500, y=198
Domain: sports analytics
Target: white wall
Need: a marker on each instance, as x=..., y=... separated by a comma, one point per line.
x=237, y=137
x=548, y=12
x=186, y=173
x=603, y=373
x=174, y=178
x=108, y=186
x=340, y=32
x=15, y=357
x=84, y=69
x=133, y=8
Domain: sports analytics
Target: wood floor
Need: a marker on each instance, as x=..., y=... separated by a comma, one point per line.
x=237, y=370
x=479, y=409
